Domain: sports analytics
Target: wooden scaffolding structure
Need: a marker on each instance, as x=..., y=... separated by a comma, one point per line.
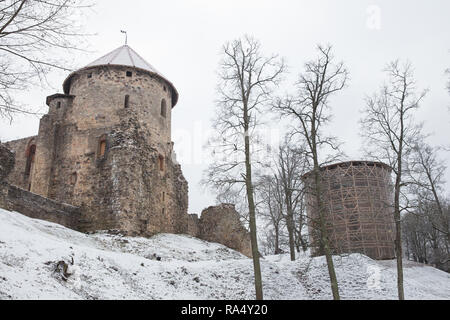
x=358, y=209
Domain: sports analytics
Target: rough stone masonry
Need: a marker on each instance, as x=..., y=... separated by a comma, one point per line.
x=104, y=152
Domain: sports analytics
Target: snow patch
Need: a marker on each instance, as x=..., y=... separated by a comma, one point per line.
x=168, y=266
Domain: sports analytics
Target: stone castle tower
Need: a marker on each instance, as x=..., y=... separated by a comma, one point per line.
x=105, y=146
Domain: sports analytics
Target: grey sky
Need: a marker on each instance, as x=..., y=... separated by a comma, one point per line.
x=182, y=39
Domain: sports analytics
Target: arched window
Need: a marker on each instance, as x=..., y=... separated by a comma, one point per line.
x=127, y=101
x=101, y=147
x=163, y=108
x=161, y=162
x=30, y=153
x=73, y=178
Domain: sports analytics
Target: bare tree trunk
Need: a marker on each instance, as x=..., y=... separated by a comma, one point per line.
x=252, y=211
x=290, y=225
x=324, y=234
x=277, y=240
x=397, y=219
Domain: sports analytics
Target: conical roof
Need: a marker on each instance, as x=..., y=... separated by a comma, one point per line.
x=123, y=56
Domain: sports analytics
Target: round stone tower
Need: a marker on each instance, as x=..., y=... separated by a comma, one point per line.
x=120, y=80
x=105, y=145
x=358, y=214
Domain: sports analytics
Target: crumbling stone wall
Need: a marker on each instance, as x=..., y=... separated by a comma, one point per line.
x=6, y=166
x=19, y=148
x=222, y=224
x=38, y=207
x=139, y=175
x=7, y=161
x=13, y=198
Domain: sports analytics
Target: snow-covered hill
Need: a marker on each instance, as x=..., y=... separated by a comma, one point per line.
x=181, y=267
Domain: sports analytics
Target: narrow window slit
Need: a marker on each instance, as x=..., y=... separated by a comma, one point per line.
x=163, y=108
x=102, y=148
x=161, y=163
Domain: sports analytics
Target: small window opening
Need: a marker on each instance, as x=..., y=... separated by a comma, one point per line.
x=161, y=163
x=58, y=105
x=163, y=108
x=127, y=101
x=129, y=73
x=164, y=87
x=102, y=148
x=89, y=75
x=163, y=211
x=73, y=178
x=163, y=196
x=30, y=159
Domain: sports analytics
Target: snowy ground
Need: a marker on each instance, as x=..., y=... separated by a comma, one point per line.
x=181, y=267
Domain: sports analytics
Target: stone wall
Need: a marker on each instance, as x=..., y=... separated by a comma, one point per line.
x=6, y=166
x=222, y=224
x=136, y=178
x=19, y=148
x=38, y=207
x=13, y=198
x=7, y=162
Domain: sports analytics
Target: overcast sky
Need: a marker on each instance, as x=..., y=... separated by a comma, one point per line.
x=182, y=39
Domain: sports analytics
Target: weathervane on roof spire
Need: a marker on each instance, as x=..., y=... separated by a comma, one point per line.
x=126, y=36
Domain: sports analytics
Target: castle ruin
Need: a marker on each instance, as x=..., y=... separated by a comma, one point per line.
x=104, y=150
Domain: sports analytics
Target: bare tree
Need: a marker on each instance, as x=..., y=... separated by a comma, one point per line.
x=271, y=207
x=290, y=167
x=35, y=35
x=247, y=80
x=415, y=236
x=389, y=129
x=427, y=173
x=301, y=218
x=422, y=232
x=310, y=111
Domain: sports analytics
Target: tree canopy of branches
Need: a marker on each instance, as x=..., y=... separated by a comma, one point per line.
x=390, y=131
x=310, y=110
x=246, y=83
x=272, y=207
x=35, y=35
x=427, y=235
x=425, y=242
x=291, y=165
x=282, y=197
